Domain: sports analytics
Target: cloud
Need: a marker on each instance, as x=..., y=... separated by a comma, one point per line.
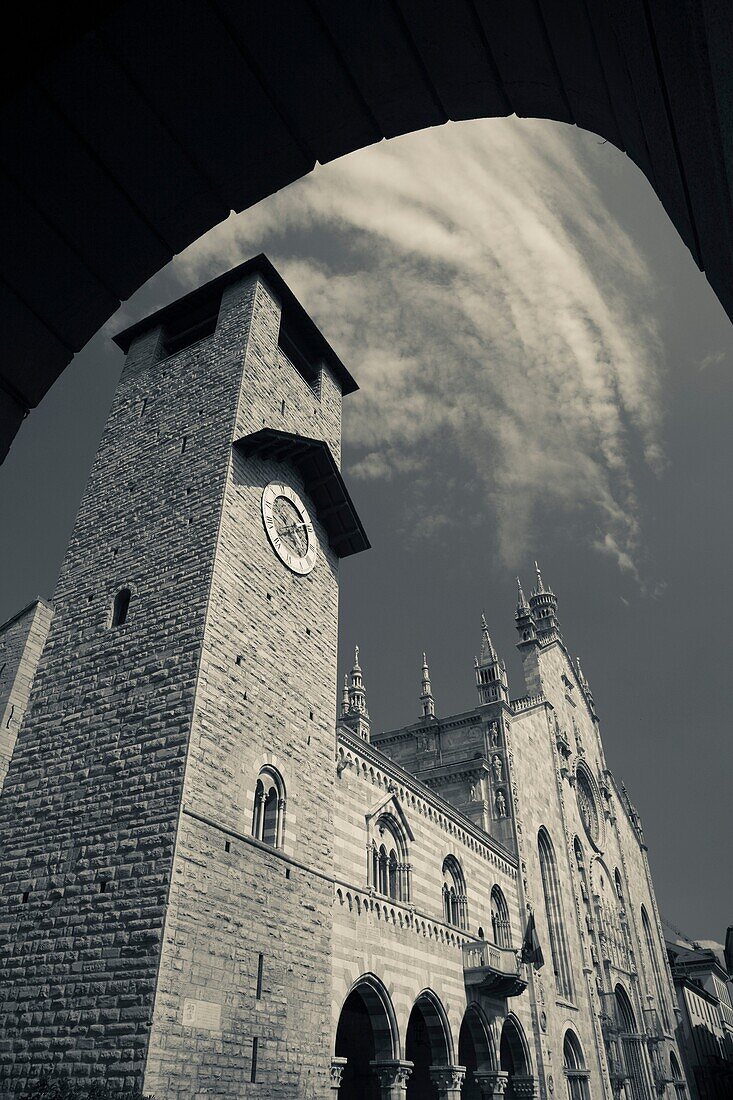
x=487, y=302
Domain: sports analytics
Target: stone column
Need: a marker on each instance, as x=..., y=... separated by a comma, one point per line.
x=448, y=1081
x=492, y=1083
x=392, y=1076
x=523, y=1086
x=338, y=1065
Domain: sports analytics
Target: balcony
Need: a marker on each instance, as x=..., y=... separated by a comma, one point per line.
x=495, y=971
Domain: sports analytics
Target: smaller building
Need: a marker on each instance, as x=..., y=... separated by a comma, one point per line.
x=705, y=1033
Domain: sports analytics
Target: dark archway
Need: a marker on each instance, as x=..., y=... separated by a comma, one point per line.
x=427, y=1044
x=474, y=1051
x=235, y=101
x=513, y=1053
x=366, y=1033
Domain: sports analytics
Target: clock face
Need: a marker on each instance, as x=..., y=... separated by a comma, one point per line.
x=289, y=527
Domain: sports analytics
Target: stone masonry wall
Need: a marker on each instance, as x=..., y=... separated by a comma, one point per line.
x=266, y=695
x=22, y=639
x=90, y=807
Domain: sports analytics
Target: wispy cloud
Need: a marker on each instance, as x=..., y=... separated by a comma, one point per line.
x=484, y=297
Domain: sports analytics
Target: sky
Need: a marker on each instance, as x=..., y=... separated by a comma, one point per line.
x=544, y=373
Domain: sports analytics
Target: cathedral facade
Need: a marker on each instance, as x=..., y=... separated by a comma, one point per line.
x=206, y=890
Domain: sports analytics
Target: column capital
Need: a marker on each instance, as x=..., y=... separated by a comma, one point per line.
x=492, y=1083
x=448, y=1081
x=338, y=1065
x=392, y=1076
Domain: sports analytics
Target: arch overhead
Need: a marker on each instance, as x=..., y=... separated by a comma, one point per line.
x=235, y=101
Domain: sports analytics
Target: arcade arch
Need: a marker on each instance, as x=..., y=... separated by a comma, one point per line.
x=366, y=1036
x=429, y=1046
x=514, y=1058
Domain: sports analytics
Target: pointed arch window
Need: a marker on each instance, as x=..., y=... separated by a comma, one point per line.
x=554, y=913
x=268, y=815
x=500, y=930
x=678, y=1078
x=455, y=902
x=389, y=867
x=576, y=1073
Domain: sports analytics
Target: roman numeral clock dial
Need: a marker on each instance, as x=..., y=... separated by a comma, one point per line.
x=289, y=527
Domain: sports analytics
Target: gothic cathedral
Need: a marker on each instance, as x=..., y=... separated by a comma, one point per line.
x=207, y=892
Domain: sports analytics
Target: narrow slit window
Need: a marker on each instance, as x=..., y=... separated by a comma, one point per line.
x=260, y=968
x=121, y=606
x=253, y=1070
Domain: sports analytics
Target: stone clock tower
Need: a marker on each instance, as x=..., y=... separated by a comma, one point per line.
x=166, y=834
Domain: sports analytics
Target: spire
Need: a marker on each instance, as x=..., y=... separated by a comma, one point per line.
x=586, y=687
x=354, y=713
x=488, y=653
x=491, y=679
x=426, y=694
x=523, y=618
x=521, y=598
x=543, y=608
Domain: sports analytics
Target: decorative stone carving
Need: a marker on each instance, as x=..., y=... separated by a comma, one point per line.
x=498, y=768
x=492, y=1083
x=338, y=1065
x=392, y=1076
x=494, y=739
x=448, y=1080
x=500, y=802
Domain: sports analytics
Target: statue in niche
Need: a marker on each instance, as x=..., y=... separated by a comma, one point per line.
x=475, y=794
x=500, y=802
x=494, y=735
x=498, y=768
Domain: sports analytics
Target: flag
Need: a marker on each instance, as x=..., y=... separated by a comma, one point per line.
x=531, y=950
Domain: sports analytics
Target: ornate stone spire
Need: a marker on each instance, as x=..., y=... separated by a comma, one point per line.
x=488, y=653
x=586, y=687
x=355, y=715
x=491, y=680
x=543, y=606
x=426, y=694
x=523, y=618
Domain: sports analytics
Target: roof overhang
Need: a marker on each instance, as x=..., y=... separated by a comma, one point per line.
x=322, y=481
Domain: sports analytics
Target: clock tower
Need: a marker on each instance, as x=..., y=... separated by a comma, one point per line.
x=172, y=811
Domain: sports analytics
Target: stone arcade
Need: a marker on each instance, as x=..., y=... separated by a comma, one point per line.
x=206, y=893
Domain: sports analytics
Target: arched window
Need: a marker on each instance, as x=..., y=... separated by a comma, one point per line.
x=575, y=1068
x=389, y=866
x=121, y=606
x=455, y=903
x=632, y=1049
x=268, y=815
x=654, y=960
x=500, y=919
x=553, y=909
x=678, y=1079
